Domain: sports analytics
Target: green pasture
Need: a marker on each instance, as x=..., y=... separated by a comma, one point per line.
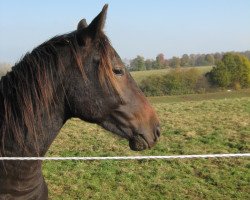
x=215, y=123
x=225, y=94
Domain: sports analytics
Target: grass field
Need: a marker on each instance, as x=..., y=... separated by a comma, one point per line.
x=140, y=75
x=215, y=123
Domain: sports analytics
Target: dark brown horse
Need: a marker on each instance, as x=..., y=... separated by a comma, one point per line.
x=74, y=75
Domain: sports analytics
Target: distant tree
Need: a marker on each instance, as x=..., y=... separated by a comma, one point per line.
x=153, y=64
x=247, y=54
x=239, y=69
x=209, y=59
x=175, y=62
x=219, y=75
x=192, y=59
x=167, y=62
x=160, y=61
x=149, y=64
x=217, y=57
x=184, y=60
x=138, y=64
x=200, y=61
x=233, y=70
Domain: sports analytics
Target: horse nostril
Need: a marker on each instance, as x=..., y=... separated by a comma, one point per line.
x=157, y=132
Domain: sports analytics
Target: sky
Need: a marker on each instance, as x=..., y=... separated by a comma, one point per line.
x=135, y=27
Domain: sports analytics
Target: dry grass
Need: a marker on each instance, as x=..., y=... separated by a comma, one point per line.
x=189, y=127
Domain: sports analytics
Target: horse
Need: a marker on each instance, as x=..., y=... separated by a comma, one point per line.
x=80, y=75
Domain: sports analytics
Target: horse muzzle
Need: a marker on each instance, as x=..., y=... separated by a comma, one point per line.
x=141, y=142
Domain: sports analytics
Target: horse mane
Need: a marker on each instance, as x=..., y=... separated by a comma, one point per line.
x=30, y=87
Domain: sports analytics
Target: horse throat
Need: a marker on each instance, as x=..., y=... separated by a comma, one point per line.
x=22, y=180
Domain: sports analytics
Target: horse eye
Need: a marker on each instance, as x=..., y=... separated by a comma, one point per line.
x=118, y=72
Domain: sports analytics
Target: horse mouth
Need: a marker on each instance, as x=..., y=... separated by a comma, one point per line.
x=138, y=143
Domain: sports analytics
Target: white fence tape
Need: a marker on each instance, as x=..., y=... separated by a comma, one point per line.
x=131, y=157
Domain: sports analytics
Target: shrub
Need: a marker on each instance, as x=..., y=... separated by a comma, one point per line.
x=232, y=71
x=153, y=86
x=203, y=85
x=176, y=82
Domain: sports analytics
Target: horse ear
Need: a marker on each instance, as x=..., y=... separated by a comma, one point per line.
x=82, y=24
x=97, y=25
x=93, y=30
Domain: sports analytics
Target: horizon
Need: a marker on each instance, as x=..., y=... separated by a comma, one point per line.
x=173, y=28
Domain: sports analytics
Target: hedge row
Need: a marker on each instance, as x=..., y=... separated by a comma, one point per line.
x=176, y=82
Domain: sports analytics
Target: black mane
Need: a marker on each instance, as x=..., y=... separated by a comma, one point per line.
x=29, y=87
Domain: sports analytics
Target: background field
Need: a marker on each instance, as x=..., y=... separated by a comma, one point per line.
x=140, y=75
x=215, y=123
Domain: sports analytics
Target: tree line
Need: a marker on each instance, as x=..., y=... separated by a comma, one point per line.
x=231, y=72
x=160, y=62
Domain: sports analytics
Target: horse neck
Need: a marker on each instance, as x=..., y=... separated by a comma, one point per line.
x=22, y=179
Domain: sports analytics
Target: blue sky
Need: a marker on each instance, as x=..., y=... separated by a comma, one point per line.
x=135, y=27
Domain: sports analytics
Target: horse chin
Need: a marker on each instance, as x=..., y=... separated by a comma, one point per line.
x=138, y=143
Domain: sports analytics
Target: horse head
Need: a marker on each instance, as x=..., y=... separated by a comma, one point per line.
x=102, y=91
